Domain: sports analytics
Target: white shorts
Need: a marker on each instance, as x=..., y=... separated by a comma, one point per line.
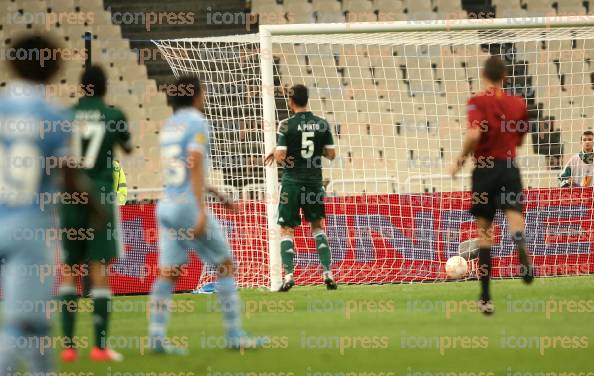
x=175, y=241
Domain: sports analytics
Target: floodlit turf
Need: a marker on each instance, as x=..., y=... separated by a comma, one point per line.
x=404, y=329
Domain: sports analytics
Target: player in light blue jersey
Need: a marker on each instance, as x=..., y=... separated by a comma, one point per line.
x=32, y=146
x=185, y=222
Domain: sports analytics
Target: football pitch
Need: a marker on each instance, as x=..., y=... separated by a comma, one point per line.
x=407, y=329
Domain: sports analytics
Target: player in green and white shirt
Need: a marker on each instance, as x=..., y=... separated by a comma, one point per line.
x=579, y=169
x=97, y=130
x=303, y=140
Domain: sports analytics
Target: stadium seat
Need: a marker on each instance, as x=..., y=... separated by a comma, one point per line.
x=75, y=35
x=511, y=13
x=11, y=6
x=4, y=76
x=545, y=75
x=329, y=17
x=70, y=73
x=292, y=18
x=261, y=6
x=357, y=6
x=132, y=72
x=418, y=6
x=34, y=6
x=159, y=113
x=155, y=98
x=299, y=11
x=388, y=5
x=61, y=6
x=536, y=3
x=540, y=8
x=326, y=6
x=570, y=9
x=107, y=32
x=507, y=4
x=101, y=17
x=447, y=6
x=89, y=5
x=386, y=16
x=269, y=12
x=354, y=16
x=560, y=50
x=575, y=73
x=421, y=15
x=134, y=115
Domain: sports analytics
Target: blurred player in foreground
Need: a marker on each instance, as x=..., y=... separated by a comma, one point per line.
x=33, y=137
x=579, y=169
x=497, y=124
x=303, y=139
x=97, y=130
x=186, y=223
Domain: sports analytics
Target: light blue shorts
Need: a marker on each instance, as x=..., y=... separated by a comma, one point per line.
x=175, y=241
x=28, y=270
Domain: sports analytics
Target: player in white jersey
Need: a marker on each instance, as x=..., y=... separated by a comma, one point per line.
x=33, y=134
x=579, y=169
x=185, y=222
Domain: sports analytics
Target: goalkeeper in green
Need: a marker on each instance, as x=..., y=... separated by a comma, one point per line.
x=303, y=140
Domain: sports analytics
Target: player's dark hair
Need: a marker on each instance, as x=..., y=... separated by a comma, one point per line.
x=94, y=81
x=35, y=58
x=494, y=69
x=586, y=133
x=299, y=94
x=187, y=88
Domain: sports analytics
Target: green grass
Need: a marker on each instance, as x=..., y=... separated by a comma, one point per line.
x=381, y=324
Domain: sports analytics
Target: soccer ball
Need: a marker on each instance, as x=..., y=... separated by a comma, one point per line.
x=456, y=267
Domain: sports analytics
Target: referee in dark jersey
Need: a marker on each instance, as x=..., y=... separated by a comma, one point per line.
x=497, y=124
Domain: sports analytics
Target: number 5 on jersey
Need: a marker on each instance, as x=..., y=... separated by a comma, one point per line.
x=307, y=144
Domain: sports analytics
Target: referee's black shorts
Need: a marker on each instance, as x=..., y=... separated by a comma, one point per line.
x=496, y=186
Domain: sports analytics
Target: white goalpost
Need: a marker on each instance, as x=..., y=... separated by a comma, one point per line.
x=395, y=95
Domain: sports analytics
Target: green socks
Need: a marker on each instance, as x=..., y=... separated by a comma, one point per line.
x=69, y=307
x=288, y=252
x=287, y=255
x=101, y=302
x=323, y=249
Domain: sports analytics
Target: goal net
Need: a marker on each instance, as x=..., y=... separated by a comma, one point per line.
x=396, y=100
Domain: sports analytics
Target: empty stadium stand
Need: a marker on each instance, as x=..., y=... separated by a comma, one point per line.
x=421, y=127
x=553, y=80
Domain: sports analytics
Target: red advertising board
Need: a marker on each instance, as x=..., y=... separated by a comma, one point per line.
x=376, y=239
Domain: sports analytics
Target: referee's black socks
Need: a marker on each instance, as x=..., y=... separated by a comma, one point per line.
x=526, y=271
x=485, y=272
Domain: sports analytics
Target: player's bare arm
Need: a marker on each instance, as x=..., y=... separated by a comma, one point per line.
x=275, y=155
x=269, y=158
x=280, y=155
x=222, y=198
x=329, y=153
x=471, y=140
x=196, y=166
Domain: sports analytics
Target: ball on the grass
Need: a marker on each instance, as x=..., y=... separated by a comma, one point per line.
x=456, y=267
